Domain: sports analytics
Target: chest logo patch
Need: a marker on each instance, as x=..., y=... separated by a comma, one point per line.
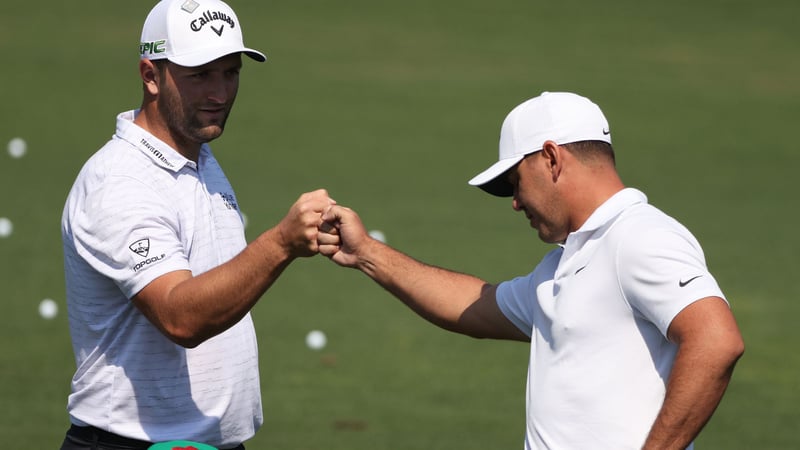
x=230, y=201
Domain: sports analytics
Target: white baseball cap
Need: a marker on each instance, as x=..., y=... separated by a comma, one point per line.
x=561, y=117
x=191, y=33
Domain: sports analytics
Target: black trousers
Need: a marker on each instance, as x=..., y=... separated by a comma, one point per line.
x=91, y=438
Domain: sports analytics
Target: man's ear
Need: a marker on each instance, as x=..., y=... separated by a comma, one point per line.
x=552, y=153
x=150, y=76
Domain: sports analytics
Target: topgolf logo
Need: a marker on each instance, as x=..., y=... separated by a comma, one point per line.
x=141, y=247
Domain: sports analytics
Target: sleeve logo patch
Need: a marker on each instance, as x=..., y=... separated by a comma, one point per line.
x=683, y=283
x=141, y=247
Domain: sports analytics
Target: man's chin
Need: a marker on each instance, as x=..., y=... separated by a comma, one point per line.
x=210, y=132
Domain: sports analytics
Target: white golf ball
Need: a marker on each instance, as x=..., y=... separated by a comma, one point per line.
x=17, y=147
x=48, y=308
x=378, y=235
x=6, y=227
x=316, y=340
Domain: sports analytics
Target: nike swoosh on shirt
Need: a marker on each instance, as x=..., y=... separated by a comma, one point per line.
x=682, y=283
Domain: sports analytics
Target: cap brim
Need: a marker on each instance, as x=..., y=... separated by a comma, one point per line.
x=493, y=181
x=203, y=57
x=255, y=54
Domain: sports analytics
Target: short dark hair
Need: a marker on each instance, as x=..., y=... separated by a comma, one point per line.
x=160, y=63
x=591, y=151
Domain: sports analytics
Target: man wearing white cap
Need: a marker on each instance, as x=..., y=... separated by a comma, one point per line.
x=632, y=342
x=159, y=277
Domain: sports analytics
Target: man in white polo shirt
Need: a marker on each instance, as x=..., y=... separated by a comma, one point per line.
x=632, y=342
x=159, y=277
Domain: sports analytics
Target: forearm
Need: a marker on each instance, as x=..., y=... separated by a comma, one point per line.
x=692, y=395
x=451, y=300
x=438, y=295
x=197, y=308
x=189, y=310
x=454, y=301
x=709, y=344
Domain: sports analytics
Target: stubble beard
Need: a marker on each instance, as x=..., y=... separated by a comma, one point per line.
x=183, y=123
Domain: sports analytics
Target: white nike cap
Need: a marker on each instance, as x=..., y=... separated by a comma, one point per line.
x=191, y=33
x=561, y=117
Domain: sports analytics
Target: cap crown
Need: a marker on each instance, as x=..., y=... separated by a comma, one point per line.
x=561, y=117
x=193, y=32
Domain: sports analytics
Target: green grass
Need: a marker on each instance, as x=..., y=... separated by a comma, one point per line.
x=392, y=106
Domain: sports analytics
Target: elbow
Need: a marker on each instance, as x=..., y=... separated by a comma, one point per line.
x=189, y=330
x=184, y=336
x=729, y=352
x=734, y=345
x=739, y=348
x=736, y=350
x=474, y=334
x=187, y=342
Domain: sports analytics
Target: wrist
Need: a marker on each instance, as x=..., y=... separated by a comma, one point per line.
x=273, y=246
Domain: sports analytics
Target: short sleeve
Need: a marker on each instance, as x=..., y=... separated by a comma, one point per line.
x=662, y=271
x=511, y=300
x=127, y=232
x=518, y=298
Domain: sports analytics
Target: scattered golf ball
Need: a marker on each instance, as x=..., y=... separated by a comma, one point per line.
x=17, y=147
x=48, y=308
x=6, y=227
x=316, y=340
x=378, y=235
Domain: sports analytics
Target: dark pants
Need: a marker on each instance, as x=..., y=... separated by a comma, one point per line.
x=91, y=438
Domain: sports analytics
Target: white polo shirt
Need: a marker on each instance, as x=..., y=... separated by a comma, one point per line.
x=597, y=310
x=139, y=210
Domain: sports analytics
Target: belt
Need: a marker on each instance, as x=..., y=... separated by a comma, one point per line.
x=94, y=434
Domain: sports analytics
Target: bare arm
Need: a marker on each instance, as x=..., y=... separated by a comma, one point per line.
x=190, y=309
x=709, y=344
x=453, y=301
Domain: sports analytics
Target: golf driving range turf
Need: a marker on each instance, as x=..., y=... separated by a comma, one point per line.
x=392, y=107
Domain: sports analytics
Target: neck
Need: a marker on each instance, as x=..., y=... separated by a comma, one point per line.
x=150, y=120
x=595, y=190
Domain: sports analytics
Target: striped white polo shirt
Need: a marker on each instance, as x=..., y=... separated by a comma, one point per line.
x=138, y=210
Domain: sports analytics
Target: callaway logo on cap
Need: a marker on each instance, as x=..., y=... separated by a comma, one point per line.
x=191, y=33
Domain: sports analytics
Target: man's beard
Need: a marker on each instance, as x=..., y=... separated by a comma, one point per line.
x=183, y=123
